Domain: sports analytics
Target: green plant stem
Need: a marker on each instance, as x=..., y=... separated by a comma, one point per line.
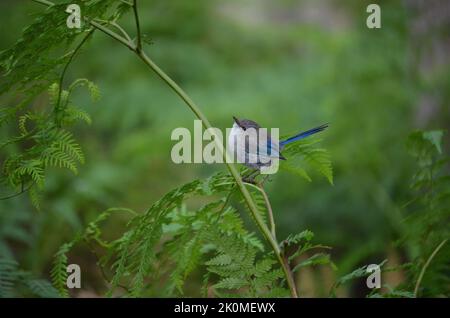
x=260, y=188
x=63, y=73
x=427, y=263
x=23, y=190
x=44, y=2
x=198, y=113
x=138, y=28
x=269, y=211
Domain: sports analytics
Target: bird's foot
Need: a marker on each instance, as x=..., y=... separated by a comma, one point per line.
x=249, y=180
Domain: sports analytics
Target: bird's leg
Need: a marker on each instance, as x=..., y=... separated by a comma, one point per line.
x=246, y=172
x=264, y=179
x=250, y=178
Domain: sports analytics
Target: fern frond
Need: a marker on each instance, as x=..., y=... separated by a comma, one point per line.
x=305, y=235
x=63, y=152
x=93, y=89
x=357, y=273
x=34, y=169
x=74, y=114
x=42, y=288
x=316, y=259
x=15, y=282
x=231, y=283
x=35, y=197
x=53, y=93
x=8, y=276
x=59, y=270
x=303, y=153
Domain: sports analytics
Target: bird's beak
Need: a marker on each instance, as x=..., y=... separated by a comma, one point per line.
x=237, y=121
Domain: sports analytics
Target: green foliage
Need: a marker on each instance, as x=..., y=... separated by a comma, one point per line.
x=169, y=243
x=302, y=153
x=392, y=293
x=48, y=142
x=176, y=254
x=426, y=213
x=426, y=234
x=188, y=239
x=59, y=270
x=167, y=236
x=8, y=274
x=15, y=282
x=92, y=233
x=357, y=273
x=32, y=63
x=28, y=67
x=301, y=243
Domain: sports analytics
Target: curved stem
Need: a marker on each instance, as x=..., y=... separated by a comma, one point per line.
x=23, y=190
x=260, y=188
x=112, y=34
x=118, y=27
x=269, y=211
x=225, y=203
x=424, y=268
x=61, y=79
x=138, y=27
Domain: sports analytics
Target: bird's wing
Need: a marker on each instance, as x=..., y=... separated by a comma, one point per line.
x=271, y=150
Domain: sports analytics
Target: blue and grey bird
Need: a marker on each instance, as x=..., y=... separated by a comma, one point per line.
x=248, y=151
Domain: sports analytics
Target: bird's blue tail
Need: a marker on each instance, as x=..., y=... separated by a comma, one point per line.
x=303, y=135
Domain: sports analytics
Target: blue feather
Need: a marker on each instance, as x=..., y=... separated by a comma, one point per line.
x=303, y=135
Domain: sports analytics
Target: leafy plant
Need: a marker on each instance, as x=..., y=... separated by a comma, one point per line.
x=18, y=283
x=169, y=243
x=212, y=237
x=49, y=142
x=426, y=212
x=426, y=235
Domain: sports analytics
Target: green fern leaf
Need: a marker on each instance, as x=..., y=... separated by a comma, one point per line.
x=8, y=276
x=230, y=283
x=316, y=259
x=42, y=288
x=59, y=270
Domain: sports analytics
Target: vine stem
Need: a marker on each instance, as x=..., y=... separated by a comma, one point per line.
x=63, y=74
x=260, y=188
x=22, y=190
x=207, y=125
x=424, y=268
x=138, y=28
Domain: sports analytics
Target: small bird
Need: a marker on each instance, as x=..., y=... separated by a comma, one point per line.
x=254, y=157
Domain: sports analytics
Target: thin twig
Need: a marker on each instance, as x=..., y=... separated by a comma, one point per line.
x=225, y=203
x=118, y=27
x=45, y=2
x=269, y=210
x=102, y=271
x=61, y=78
x=424, y=268
x=22, y=190
x=113, y=35
x=138, y=27
x=260, y=188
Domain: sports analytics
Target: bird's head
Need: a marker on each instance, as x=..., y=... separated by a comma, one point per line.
x=245, y=124
x=238, y=124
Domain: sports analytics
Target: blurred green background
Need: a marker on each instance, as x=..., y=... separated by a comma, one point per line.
x=288, y=64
